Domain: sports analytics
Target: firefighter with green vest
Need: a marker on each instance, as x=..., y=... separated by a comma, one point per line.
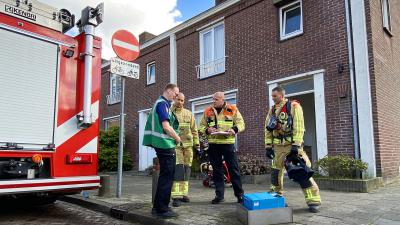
x=184, y=152
x=221, y=122
x=284, y=131
x=162, y=133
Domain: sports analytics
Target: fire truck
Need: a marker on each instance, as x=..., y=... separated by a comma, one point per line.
x=49, y=99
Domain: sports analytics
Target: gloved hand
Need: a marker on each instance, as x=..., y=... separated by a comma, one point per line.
x=294, y=153
x=269, y=152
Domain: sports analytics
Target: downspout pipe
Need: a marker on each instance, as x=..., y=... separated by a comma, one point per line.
x=352, y=81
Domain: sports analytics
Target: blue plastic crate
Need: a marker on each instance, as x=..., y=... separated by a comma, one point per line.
x=264, y=200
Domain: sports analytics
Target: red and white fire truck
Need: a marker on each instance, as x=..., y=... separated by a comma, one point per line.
x=49, y=99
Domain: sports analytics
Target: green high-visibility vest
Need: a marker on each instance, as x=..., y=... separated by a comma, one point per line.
x=154, y=135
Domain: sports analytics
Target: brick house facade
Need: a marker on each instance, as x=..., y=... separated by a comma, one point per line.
x=259, y=51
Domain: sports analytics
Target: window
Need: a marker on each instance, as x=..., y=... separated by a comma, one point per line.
x=115, y=84
x=386, y=15
x=298, y=86
x=115, y=89
x=151, y=73
x=111, y=122
x=291, y=20
x=212, y=51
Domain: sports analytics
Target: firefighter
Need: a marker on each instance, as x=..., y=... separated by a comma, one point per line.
x=184, y=152
x=221, y=122
x=284, y=131
x=161, y=133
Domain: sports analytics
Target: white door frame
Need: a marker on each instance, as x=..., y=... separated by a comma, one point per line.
x=142, y=124
x=319, y=101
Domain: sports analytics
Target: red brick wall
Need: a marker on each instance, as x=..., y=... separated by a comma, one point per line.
x=385, y=70
x=254, y=56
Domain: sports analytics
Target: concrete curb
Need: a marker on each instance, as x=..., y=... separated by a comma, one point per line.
x=112, y=210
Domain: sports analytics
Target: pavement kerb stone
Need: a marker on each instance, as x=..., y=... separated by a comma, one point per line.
x=111, y=210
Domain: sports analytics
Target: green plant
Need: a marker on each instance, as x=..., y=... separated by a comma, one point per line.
x=250, y=164
x=340, y=166
x=108, y=154
x=110, y=137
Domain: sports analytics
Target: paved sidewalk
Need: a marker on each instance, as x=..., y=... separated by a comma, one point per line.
x=379, y=207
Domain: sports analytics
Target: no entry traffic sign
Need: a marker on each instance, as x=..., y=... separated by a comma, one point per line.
x=125, y=45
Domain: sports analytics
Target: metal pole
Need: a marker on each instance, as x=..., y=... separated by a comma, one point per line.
x=121, y=139
x=87, y=91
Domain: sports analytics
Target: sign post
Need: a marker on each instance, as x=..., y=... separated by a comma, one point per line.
x=126, y=46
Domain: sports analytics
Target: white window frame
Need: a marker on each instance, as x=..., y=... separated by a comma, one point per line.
x=148, y=65
x=386, y=17
x=113, y=77
x=114, y=97
x=201, y=40
x=319, y=101
x=106, y=119
x=282, y=20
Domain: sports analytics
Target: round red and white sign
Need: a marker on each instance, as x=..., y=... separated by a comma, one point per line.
x=125, y=45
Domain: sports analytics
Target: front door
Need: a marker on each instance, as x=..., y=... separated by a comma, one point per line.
x=309, y=91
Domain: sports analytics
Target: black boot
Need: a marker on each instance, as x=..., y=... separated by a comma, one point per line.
x=185, y=199
x=176, y=202
x=313, y=208
x=217, y=200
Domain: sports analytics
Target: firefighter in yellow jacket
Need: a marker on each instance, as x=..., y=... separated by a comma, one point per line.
x=184, y=152
x=284, y=133
x=221, y=122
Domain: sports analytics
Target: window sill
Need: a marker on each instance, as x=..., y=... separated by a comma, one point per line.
x=211, y=76
x=291, y=36
x=150, y=84
x=113, y=99
x=113, y=103
x=388, y=32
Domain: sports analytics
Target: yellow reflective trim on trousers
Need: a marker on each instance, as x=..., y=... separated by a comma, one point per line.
x=311, y=197
x=180, y=189
x=184, y=124
x=176, y=192
x=185, y=188
x=314, y=199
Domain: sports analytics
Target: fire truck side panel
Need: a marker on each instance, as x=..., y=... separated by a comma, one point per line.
x=73, y=162
x=76, y=142
x=67, y=107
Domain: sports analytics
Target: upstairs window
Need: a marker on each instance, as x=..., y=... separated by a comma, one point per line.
x=291, y=20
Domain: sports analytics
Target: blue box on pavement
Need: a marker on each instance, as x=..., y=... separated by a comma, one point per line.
x=264, y=200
